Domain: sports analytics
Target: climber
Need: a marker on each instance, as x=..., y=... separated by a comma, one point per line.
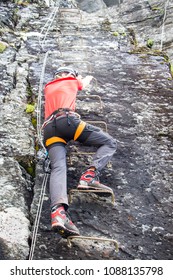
x=61, y=125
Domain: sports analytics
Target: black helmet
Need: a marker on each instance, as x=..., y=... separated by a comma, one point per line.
x=66, y=70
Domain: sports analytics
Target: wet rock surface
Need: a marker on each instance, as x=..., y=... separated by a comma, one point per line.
x=136, y=108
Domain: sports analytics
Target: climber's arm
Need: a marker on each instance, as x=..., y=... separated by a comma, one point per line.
x=85, y=81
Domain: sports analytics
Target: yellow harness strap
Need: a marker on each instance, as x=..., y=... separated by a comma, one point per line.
x=53, y=140
x=79, y=130
x=56, y=139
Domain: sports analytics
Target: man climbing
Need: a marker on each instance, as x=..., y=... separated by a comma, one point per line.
x=61, y=125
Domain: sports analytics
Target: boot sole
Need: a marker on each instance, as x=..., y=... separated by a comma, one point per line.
x=64, y=232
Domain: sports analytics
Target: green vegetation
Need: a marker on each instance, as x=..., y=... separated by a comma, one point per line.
x=34, y=122
x=30, y=108
x=31, y=169
x=117, y=33
x=22, y=2
x=3, y=46
x=171, y=69
x=150, y=43
x=28, y=163
x=157, y=8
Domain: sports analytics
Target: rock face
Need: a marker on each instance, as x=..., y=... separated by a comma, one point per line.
x=150, y=20
x=134, y=83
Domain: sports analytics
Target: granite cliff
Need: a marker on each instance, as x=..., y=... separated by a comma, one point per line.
x=127, y=47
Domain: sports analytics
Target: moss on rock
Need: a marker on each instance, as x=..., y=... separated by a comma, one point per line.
x=3, y=47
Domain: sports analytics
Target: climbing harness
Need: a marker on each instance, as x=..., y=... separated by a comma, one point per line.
x=79, y=130
x=54, y=140
x=60, y=113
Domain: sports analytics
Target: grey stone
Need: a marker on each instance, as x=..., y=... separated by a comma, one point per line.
x=135, y=86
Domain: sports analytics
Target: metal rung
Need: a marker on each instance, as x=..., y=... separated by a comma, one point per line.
x=76, y=11
x=69, y=10
x=70, y=48
x=75, y=34
x=54, y=51
x=77, y=48
x=80, y=38
x=73, y=26
x=70, y=238
x=68, y=20
x=72, y=191
x=77, y=25
x=100, y=122
x=72, y=34
x=79, y=153
x=90, y=153
x=58, y=51
x=109, y=164
x=79, y=61
x=93, y=96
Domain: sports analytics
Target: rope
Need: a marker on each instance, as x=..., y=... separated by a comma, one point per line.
x=38, y=214
x=39, y=103
x=163, y=25
x=51, y=20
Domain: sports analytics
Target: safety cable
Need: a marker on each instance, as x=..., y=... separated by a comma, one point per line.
x=51, y=20
x=38, y=214
x=163, y=24
x=39, y=102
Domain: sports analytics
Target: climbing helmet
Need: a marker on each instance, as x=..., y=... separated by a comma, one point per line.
x=66, y=70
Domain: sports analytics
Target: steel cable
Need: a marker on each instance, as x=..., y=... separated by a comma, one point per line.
x=38, y=214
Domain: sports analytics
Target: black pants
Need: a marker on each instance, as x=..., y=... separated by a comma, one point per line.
x=91, y=136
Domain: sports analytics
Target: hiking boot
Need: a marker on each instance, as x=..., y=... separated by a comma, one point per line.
x=61, y=223
x=90, y=181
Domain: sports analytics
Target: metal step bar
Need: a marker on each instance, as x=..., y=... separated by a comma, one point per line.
x=92, y=96
x=77, y=191
x=92, y=238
